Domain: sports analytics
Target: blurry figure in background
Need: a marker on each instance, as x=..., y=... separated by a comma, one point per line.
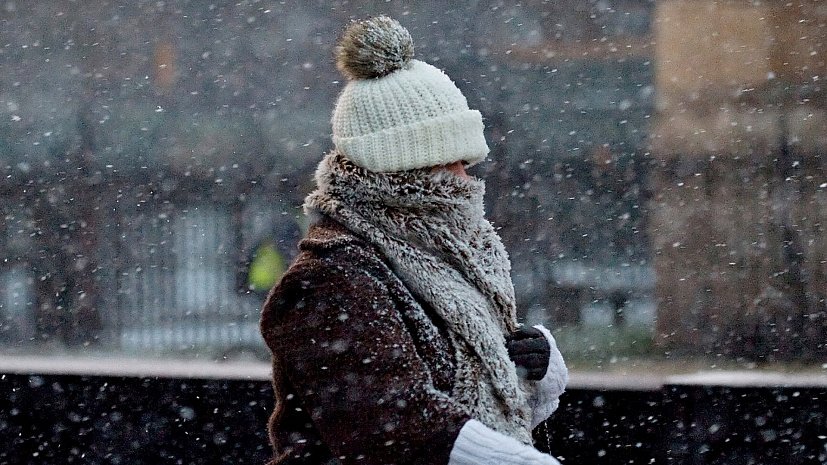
x=266, y=267
x=619, y=300
x=267, y=260
x=67, y=310
x=394, y=333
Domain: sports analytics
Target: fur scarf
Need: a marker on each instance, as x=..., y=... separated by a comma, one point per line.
x=432, y=229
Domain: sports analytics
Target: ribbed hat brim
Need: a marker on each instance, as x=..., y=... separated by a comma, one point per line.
x=436, y=141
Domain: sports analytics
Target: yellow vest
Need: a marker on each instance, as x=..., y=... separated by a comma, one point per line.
x=266, y=268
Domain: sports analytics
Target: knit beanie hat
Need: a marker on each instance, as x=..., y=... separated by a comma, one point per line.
x=397, y=113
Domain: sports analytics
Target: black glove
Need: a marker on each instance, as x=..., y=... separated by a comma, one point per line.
x=529, y=350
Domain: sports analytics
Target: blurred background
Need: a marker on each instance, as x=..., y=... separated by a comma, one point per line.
x=657, y=169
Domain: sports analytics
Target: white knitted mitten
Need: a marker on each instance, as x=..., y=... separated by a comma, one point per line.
x=544, y=395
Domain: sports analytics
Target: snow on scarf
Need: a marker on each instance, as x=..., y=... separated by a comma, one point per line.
x=432, y=229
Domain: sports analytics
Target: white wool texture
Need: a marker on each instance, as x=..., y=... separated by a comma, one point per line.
x=397, y=113
x=414, y=117
x=433, y=231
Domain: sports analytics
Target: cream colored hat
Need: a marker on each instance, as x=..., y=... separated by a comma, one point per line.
x=397, y=113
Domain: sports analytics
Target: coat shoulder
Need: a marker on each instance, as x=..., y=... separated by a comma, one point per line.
x=332, y=265
x=330, y=250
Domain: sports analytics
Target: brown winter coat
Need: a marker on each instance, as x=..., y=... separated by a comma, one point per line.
x=362, y=370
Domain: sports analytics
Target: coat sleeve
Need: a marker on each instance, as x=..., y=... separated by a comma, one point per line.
x=343, y=346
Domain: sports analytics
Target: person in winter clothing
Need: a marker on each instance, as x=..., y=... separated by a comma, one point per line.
x=394, y=332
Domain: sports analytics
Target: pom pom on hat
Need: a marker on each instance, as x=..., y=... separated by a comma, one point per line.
x=396, y=113
x=373, y=48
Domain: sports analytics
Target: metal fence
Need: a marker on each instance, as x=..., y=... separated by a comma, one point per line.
x=177, y=288
x=151, y=273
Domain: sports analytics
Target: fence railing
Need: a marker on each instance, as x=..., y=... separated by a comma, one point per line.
x=134, y=269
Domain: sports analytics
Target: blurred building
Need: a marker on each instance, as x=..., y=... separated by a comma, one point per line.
x=645, y=154
x=739, y=204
